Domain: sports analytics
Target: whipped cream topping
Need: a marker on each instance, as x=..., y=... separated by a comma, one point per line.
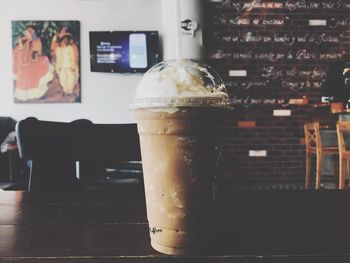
x=178, y=80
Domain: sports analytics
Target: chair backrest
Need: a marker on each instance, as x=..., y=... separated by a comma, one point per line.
x=312, y=135
x=44, y=140
x=56, y=146
x=343, y=128
x=49, y=147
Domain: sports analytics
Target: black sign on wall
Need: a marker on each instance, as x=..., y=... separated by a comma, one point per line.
x=271, y=53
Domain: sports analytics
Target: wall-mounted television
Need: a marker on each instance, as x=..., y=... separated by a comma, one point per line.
x=123, y=51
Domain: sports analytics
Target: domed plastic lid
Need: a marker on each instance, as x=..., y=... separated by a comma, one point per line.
x=181, y=83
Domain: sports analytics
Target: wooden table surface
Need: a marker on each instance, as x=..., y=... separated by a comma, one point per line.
x=111, y=226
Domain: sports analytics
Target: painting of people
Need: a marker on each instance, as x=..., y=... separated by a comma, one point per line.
x=46, y=61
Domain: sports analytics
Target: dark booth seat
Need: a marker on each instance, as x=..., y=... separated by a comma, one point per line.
x=55, y=147
x=114, y=152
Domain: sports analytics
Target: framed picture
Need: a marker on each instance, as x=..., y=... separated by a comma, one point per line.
x=46, y=61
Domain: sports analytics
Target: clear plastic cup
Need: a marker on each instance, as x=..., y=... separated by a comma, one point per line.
x=178, y=106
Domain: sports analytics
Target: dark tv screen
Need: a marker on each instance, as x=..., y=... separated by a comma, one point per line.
x=123, y=51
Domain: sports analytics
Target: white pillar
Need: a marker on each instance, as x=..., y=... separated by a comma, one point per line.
x=191, y=13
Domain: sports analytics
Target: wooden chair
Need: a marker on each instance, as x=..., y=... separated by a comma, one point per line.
x=313, y=143
x=344, y=154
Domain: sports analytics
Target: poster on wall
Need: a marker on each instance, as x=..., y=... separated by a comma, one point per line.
x=46, y=61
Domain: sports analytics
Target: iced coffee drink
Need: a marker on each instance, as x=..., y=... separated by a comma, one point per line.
x=178, y=105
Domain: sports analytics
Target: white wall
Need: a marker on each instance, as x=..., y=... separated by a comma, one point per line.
x=190, y=46
x=105, y=96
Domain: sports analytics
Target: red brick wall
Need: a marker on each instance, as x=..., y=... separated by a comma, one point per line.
x=286, y=58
